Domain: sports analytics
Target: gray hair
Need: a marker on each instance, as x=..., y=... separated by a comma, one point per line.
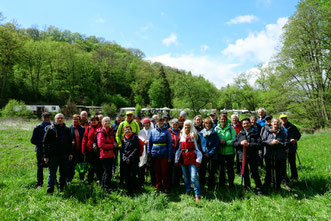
x=235, y=115
x=104, y=119
x=174, y=121
x=261, y=109
x=83, y=112
x=59, y=114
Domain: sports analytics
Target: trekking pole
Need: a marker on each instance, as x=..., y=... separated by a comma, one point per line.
x=301, y=168
x=273, y=169
x=243, y=165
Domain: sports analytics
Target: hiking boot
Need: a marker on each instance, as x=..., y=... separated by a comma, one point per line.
x=259, y=191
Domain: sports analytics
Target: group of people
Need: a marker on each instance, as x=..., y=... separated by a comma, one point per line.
x=167, y=150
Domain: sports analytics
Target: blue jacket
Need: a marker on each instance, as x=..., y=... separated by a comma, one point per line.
x=261, y=122
x=160, y=143
x=38, y=136
x=209, y=143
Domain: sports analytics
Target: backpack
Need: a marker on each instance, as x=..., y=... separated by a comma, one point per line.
x=95, y=140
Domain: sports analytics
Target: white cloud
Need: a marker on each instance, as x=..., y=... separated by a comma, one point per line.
x=204, y=48
x=142, y=32
x=266, y=3
x=214, y=70
x=242, y=19
x=100, y=20
x=172, y=39
x=259, y=46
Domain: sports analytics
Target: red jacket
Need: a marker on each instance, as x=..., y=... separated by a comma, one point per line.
x=175, y=139
x=87, y=144
x=188, y=149
x=106, y=141
x=237, y=127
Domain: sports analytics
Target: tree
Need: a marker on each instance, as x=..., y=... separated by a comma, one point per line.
x=304, y=60
x=194, y=92
x=10, y=43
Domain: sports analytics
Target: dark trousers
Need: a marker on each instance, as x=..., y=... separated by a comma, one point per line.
x=141, y=175
x=161, y=168
x=175, y=174
x=275, y=171
x=293, y=166
x=130, y=172
x=211, y=166
x=40, y=168
x=238, y=164
x=227, y=160
x=107, y=164
x=253, y=167
x=96, y=166
x=61, y=162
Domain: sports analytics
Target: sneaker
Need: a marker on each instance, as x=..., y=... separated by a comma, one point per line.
x=197, y=199
x=156, y=191
x=259, y=191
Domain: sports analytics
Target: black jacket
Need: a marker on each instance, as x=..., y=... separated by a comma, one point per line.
x=131, y=148
x=254, y=140
x=277, y=150
x=291, y=132
x=57, y=141
x=38, y=137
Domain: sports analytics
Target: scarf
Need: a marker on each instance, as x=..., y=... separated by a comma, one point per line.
x=206, y=132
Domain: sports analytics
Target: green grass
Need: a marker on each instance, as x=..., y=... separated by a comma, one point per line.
x=20, y=200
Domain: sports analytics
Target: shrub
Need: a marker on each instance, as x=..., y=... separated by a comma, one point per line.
x=109, y=110
x=16, y=108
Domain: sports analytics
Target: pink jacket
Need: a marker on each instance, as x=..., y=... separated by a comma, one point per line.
x=106, y=141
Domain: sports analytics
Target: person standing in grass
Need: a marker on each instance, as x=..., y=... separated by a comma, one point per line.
x=57, y=151
x=83, y=119
x=293, y=136
x=90, y=150
x=275, y=139
x=226, y=135
x=106, y=143
x=190, y=157
x=249, y=138
x=77, y=134
x=130, y=159
x=120, y=135
x=175, y=171
x=38, y=140
x=209, y=144
x=160, y=150
x=143, y=136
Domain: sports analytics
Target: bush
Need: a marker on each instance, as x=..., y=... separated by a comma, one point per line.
x=70, y=109
x=109, y=110
x=138, y=109
x=16, y=108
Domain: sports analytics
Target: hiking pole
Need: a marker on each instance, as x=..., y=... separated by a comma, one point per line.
x=243, y=165
x=301, y=168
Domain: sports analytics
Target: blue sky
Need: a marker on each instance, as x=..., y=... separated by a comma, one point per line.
x=215, y=38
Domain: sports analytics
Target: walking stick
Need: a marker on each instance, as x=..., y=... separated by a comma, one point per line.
x=301, y=168
x=243, y=165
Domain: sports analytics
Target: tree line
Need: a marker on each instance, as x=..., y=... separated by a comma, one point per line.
x=55, y=66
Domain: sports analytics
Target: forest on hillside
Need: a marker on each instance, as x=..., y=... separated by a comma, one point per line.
x=56, y=66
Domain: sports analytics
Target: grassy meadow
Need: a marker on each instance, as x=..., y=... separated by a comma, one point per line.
x=20, y=200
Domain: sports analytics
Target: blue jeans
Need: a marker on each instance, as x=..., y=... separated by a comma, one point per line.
x=191, y=175
x=60, y=161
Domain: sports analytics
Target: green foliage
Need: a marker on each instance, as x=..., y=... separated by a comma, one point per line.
x=109, y=110
x=16, y=108
x=69, y=109
x=138, y=109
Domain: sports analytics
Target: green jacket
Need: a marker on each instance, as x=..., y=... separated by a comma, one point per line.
x=228, y=134
x=120, y=131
